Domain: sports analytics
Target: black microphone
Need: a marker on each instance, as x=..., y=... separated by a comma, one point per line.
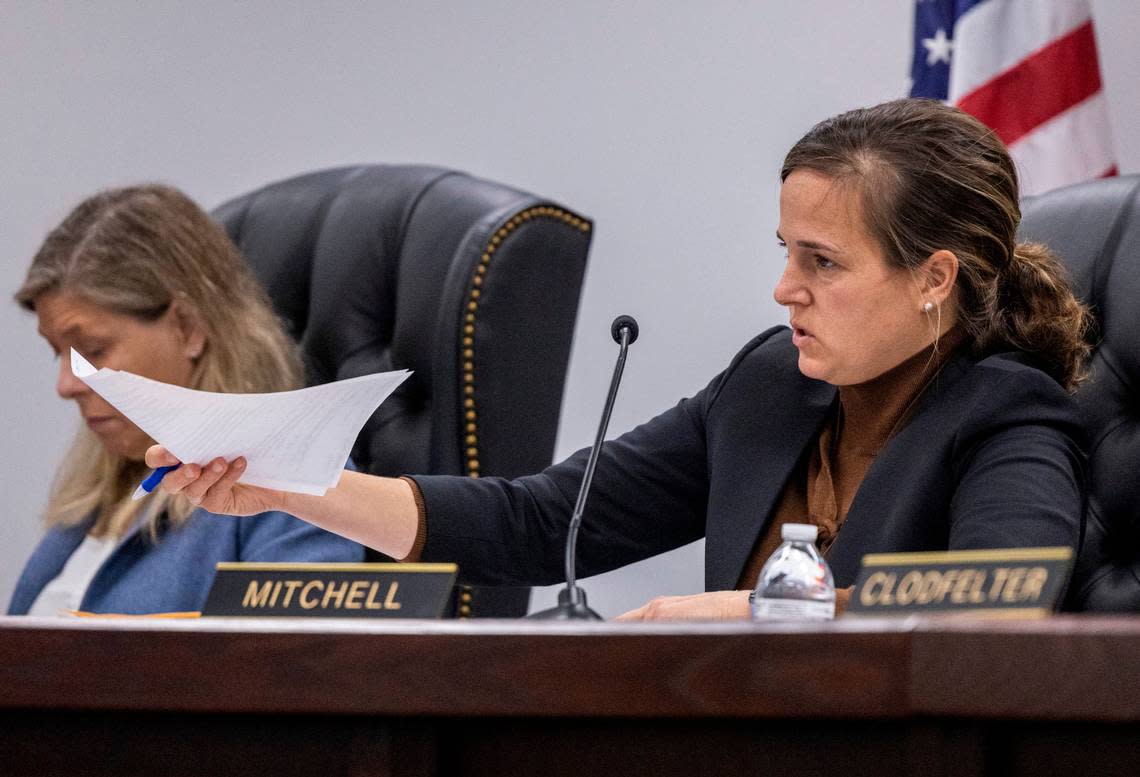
x=572, y=599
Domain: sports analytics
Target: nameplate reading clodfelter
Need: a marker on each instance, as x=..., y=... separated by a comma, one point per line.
x=1007, y=582
x=330, y=590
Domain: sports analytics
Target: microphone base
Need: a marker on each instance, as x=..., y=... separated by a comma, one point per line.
x=566, y=610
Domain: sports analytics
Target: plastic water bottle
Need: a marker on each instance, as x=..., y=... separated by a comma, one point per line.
x=796, y=582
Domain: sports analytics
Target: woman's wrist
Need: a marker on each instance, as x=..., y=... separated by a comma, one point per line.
x=378, y=512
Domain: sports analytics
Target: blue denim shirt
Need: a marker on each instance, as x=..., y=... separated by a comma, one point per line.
x=174, y=574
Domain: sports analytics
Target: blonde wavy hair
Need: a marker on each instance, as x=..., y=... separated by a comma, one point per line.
x=134, y=251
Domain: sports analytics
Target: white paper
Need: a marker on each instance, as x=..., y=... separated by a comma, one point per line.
x=292, y=440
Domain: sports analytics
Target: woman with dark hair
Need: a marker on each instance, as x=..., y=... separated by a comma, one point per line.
x=141, y=279
x=918, y=401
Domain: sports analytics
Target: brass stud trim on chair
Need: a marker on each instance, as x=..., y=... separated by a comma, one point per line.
x=471, y=437
x=465, y=597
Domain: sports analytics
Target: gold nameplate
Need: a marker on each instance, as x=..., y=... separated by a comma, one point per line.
x=330, y=590
x=1013, y=582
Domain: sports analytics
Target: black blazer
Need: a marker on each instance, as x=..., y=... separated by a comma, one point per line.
x=992, y=457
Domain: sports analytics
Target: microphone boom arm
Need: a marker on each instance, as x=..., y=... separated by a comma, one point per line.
x=572, y=599
x=580, y=506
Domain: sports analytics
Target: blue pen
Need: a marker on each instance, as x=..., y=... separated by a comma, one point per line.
x=152, y=481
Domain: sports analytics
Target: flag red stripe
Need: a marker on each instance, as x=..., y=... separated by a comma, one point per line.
x=1039, y=87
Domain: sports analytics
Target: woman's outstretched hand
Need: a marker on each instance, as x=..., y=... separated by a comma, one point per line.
x=715, y=605
x=213, y=486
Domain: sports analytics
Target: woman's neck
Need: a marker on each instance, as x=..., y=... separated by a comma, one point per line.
x=873, y=411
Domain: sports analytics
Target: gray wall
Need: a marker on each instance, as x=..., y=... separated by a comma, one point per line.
x=665, y=121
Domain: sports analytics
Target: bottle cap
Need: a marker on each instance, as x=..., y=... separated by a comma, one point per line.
x=799, y=532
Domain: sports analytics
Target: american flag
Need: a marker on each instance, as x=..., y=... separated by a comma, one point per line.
x=1029, y=70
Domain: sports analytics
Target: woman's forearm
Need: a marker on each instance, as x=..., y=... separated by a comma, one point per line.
x=375, y=511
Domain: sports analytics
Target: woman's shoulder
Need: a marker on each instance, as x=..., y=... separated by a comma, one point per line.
x=772, y=347
x=773, y=344
x=1020, y=363
x=767, y=365
x=1008, y=389
x=1010, y=374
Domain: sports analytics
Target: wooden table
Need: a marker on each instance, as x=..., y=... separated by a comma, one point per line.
x=922, y=696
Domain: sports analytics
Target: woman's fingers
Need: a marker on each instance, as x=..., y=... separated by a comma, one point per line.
x=210, y=474
x=221, y=488
x=633, y=615
x=177, y=480
x=714, y=605
x=660, y=608
x=214, y=486
x=157, y=456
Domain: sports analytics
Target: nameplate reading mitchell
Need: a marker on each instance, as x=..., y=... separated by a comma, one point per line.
x=330, y=590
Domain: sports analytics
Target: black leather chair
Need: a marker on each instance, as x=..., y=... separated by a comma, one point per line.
x=471, y=284
x=1095, y=228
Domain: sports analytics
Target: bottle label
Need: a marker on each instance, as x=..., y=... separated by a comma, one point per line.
x=792, y=609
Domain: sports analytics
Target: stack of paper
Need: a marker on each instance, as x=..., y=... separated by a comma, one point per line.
x=292, y=440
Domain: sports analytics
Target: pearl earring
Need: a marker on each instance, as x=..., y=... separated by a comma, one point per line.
x=927, y=307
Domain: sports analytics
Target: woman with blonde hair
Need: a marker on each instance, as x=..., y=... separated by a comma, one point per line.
x=141, y=279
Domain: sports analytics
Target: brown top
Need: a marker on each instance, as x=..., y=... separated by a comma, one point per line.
x=867, y=415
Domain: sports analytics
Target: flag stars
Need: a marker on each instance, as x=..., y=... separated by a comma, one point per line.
x=938, y=48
